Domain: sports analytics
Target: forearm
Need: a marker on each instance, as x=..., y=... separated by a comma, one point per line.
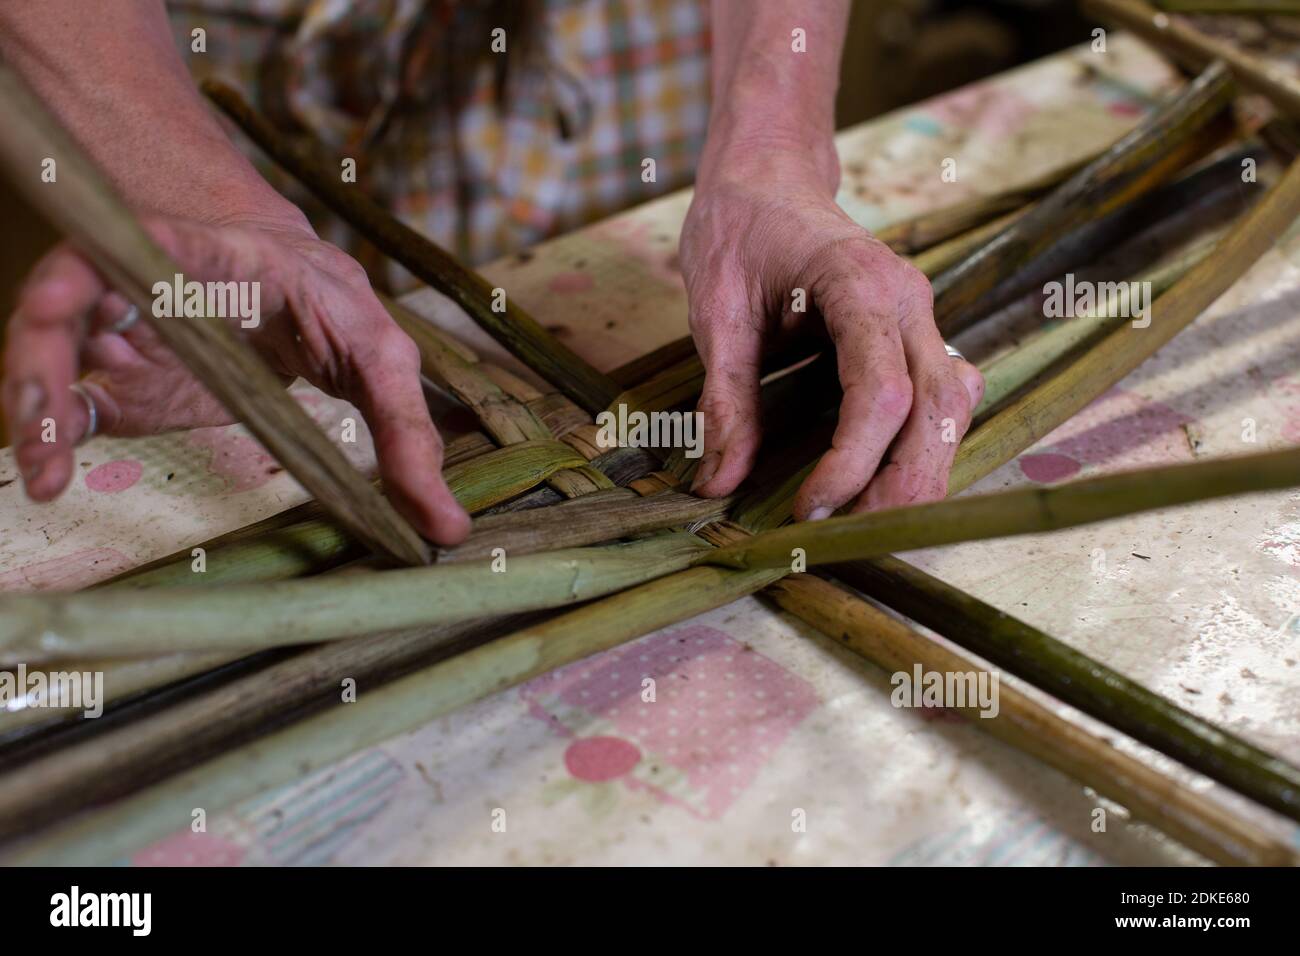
x=767, y=97
x=112, y=75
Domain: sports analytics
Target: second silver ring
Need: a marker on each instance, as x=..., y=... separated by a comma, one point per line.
x=128, y=319
x=92, y=413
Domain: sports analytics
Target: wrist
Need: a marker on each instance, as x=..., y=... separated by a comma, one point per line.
x=148, y=129
x=236, y=195
x=774, y=75
x=773, y=156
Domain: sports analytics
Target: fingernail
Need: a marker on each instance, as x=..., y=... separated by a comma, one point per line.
x=31, y=398
x=706, y=470
x=32, y=474
x=819, y=513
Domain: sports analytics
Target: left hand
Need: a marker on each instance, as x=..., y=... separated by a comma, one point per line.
x=764, y=223
x=320, y=320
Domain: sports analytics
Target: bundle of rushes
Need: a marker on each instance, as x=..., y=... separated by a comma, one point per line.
x=216, y=698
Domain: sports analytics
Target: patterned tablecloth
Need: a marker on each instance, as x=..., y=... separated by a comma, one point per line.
x=761, y=716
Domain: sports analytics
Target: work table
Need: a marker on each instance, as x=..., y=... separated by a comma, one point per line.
x=762, y=723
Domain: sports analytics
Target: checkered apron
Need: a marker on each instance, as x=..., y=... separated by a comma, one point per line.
x=482, y=151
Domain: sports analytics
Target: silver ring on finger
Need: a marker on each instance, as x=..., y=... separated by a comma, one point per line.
x=953, y=353
x=128, y=319
x=92, y=413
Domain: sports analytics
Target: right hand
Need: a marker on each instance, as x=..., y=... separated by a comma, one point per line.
x=320, y=321
x=762, y=223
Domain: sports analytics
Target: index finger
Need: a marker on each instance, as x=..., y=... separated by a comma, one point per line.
x=42, y=342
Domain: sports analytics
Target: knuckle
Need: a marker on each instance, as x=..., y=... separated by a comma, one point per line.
x=847, y=267
x=334, y=262
x=347, y=269
x=891, y=395
x=913, y=485
x=723, y=403
x=860, y=253
x=395, y=350
x=950, y=396
x=914, y=286
x=863, y=269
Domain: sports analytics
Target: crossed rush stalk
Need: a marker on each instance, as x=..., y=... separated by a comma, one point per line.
x=1052, y=402
x=617, y=609
x=112, y=623
x=107, y=834
x=304, y=540
x=1019, y=511
x=1182, y=812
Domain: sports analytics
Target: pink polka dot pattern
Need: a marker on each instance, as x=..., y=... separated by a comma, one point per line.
x=720, y=712
x=1120, y=429
x=114, y=476
x=600, y=758
x=1049, y=467
x=187, y=848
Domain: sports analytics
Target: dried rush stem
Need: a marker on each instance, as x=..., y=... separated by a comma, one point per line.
x=1193, y=48
x=1009, y=374
x=1018, y=511
x=1080, y=681
x=132, y=623
x=517, y=331
x=85, y=208
x=1159, y=145
x=39, y=626
x=1049, y=404
x=105, y=835
x=1041, y=730
x=929, y=229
